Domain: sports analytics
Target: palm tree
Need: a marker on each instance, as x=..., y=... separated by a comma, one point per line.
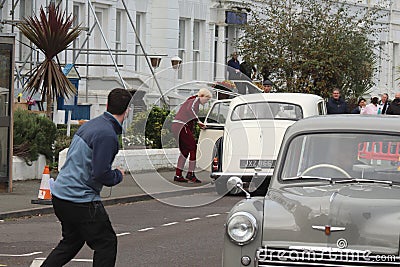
x=51, y=33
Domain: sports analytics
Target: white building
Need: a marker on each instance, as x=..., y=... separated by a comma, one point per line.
x=194, y=30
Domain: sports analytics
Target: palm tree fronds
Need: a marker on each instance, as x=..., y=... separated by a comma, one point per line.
x=52, y=33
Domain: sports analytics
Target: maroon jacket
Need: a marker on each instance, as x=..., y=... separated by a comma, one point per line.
x=187, y=113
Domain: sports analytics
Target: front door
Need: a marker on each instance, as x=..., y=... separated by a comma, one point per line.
x=6, y=99
x=215, y=123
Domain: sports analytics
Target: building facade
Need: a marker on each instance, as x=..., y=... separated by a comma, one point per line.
x=117, y=34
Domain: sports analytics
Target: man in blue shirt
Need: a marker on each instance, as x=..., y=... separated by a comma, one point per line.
x=76, y=191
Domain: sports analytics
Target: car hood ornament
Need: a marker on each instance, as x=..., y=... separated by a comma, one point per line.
x=328, y=229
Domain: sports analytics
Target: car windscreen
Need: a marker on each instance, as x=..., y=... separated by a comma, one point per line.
x=343, y=155
x=267, y=111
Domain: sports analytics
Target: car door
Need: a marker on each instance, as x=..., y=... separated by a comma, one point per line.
x=215, y=123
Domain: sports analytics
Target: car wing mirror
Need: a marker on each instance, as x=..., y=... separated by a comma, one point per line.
x=236, y=182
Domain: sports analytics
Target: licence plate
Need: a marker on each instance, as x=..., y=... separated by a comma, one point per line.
x=256, y=163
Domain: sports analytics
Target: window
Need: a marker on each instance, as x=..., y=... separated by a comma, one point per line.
x=181, y=44
x=219, y=113
x=77, y=19
x=24, y=49
x=196, y=49
x=267, y=111
x=321, y=108
x=97, y=36
x=362, y=155
x=118, y=43
x=395, y=63
x=138, y=49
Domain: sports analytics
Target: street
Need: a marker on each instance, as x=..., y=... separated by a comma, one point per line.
x=150, y=233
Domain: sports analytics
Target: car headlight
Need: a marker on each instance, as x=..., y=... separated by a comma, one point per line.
x=241, y=228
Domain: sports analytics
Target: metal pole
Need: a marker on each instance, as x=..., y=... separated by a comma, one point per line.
x=145, y=54
x=105, y=40
x=88, y=55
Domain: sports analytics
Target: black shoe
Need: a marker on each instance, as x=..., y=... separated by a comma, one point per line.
x=179, y=178
x=192, y=179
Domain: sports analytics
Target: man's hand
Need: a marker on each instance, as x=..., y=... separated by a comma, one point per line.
x=121, y=170
x=202, y=125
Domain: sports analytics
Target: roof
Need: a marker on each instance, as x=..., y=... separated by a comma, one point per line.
x=347, y=123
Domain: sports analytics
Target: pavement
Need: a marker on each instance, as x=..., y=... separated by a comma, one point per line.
x=134, y=187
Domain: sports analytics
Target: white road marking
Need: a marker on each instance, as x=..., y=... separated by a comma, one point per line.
x=146, y=229
x=192, y=219
x=38, y=261
x=20, y=255
x=76, y=260
x=213, y=215
x=122, y=234
x=168, y=224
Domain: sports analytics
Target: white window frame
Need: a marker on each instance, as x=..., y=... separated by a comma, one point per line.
x=139, y=23
x=182, y=44
x=196, y=48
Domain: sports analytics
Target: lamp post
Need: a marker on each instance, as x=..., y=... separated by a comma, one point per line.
x=155, y=61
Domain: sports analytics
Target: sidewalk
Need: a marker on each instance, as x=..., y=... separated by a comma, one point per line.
x=18, y=203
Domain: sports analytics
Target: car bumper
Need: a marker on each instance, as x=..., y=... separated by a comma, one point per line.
x=251, y=180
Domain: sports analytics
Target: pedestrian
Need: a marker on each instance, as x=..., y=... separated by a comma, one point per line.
x=336, y=104
x=234, y=67
x=76, y=190
x=247, y=69
x=183, y=127
x=372, y=108
x=267, y=86
x=384, y=103
x=360, y=106
x=394, y=107
x=246, y=74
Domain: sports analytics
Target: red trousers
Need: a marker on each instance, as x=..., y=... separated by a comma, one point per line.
x=187, y=146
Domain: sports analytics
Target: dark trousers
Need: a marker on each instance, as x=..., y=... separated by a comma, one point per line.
x=187, y=146
x=83, y=222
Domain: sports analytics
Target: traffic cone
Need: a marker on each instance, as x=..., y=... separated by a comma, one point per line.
x=44, y=196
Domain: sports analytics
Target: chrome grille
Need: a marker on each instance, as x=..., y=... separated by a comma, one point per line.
x=270, y=257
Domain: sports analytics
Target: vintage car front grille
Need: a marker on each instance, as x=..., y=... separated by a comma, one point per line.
x=270, y=257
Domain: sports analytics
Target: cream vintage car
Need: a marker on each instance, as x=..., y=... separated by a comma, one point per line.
x=244, y=134
x=333, y=200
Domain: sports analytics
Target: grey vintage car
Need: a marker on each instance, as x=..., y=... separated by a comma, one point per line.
x=334, y=198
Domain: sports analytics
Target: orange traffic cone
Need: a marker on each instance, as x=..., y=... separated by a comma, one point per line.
x=44, y=196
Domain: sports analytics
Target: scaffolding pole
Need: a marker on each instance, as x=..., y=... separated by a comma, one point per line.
x=144, y=52
x=105, y=40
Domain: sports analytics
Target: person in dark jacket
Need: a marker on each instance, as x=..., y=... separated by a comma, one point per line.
x=394, y=107
x=183, y=129
x=335, y=104
x=76, y=191
x=234, y=67
x=360, y=106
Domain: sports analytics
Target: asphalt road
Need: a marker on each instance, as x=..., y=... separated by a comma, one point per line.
x=150, y=233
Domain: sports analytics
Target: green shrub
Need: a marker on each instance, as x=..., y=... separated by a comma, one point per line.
x=63, y=141
x=33, y=135
x=152, y=129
